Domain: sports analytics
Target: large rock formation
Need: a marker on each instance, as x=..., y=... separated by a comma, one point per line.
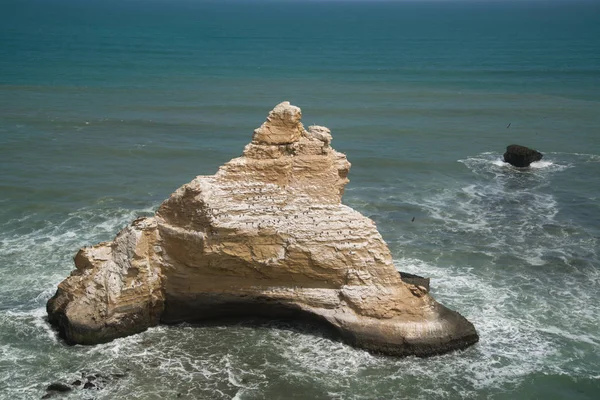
x=266, y=235
x=521, y=156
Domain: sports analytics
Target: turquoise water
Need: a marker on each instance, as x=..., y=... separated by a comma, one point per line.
x=108, y=107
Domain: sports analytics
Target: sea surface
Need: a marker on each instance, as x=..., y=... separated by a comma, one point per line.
x=106, y=107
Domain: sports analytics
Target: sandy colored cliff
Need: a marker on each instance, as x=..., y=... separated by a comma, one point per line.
x=266, y=235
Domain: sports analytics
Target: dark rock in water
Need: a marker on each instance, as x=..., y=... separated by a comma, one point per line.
x=415, y=280
x=58, y=387
x=97, y=381
x=521, y=156
x=88, y=381
x=89, y=385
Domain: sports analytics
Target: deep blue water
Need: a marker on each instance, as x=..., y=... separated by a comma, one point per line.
x=106, y=107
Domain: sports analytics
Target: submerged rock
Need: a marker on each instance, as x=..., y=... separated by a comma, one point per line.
x=88, y=381
x=58, y=387
x=55, y=389
x=521, y=156
x=266, y=236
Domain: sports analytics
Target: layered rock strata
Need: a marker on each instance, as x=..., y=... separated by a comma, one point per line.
x=266, y=236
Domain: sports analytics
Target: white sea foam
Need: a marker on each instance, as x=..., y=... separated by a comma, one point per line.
x=508, y=211
x=541, y=164
x=512, y=344
x=493, y=163
x=475, y=238
x=592, y=340
x=30, y=322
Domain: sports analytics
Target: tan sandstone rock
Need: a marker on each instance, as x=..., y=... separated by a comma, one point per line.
x=266, y=235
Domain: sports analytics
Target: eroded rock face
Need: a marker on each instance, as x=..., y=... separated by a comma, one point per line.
x=266, y=235
x=521, y=156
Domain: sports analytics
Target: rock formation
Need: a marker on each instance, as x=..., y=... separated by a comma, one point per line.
x=521, y=156
x=266, y=236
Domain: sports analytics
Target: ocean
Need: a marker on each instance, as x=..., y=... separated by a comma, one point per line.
x=106, y=107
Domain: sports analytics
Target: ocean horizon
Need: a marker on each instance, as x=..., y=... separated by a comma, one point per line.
x=107, y=107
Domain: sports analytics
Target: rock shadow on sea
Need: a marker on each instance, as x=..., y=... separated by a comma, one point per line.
x=267, y=236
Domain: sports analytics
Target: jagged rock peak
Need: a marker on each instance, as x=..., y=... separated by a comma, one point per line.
x=282, y=126
x=300, y=162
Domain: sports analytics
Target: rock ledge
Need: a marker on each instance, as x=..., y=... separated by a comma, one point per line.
x=266, y=235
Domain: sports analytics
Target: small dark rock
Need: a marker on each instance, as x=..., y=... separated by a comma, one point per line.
x=76, y=383
x=89, y=385
x=119, y=375
x=521, y=156
x=58, y=387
